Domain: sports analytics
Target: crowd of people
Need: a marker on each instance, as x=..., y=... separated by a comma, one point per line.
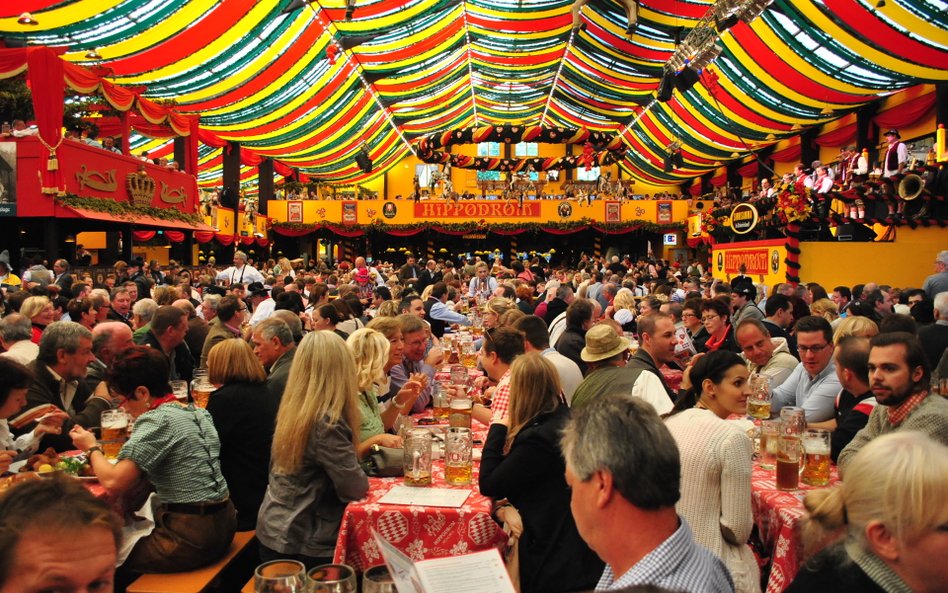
x=609, y=387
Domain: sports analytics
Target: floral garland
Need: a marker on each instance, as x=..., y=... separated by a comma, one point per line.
x=127, y=210
x=534, y=227
x=793, y=207
x=711, y=223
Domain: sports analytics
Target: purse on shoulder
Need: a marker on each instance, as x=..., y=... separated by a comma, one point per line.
x=383, y=462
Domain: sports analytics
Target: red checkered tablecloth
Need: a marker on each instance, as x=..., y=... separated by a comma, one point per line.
x=777, y=514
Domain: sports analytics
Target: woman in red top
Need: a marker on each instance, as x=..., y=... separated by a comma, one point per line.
x=716, y=317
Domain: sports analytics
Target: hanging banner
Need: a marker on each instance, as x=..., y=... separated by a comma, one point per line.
x=473, y=209
x=763, y=259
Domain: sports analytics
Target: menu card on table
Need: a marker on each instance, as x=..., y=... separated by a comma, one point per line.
x=428, y=497
x=479, y=572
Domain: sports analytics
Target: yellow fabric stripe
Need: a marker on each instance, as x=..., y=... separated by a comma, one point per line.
x=869, y=53
x=800, y=64
x=142, y=40
x=911, y=22
x=222, y=45
x=61, y=17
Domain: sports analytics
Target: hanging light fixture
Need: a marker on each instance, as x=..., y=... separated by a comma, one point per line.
x=27, y=19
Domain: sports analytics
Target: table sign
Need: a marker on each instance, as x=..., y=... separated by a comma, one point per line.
x=431, y=497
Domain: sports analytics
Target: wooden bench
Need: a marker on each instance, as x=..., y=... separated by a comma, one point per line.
x=193, y=581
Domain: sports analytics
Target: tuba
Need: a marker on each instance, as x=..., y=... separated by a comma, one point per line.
x=911, y=186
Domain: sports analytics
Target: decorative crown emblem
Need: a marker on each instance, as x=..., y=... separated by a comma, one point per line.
x=141, y=188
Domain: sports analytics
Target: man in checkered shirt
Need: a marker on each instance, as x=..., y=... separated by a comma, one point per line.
x=623, y=468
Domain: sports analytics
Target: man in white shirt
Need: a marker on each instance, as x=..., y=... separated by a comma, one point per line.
x=240, y=272
x=263, y=305
x=483, y=284
x=536, y=339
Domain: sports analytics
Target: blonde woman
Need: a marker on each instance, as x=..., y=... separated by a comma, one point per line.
x=522, y=464
x=622, y=309
x=494, y=308
x=314, y=471
x=244, y=413
x=855, y=325
x=891, y=514
x=826, y=309
x=370, y=349
x=39, y=310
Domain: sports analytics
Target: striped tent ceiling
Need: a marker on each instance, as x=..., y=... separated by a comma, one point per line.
x=311, y=83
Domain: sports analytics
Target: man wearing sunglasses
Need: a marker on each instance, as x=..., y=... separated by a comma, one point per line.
x=813, y=384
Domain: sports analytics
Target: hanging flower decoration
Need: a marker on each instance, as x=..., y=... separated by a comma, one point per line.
x=711, y=223
x=793, y=207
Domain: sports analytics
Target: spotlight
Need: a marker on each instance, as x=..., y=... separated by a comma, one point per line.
x=364, y=161
x=686, y=79
x=880, y=4
x=27, y=19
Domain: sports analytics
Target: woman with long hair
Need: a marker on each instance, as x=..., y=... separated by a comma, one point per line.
x=244, y=413
x=314, y=471
x=522, y=464
x=177, y=448
x=370, y=349
x=885, y=523
x=494, y=308
x=716, y=457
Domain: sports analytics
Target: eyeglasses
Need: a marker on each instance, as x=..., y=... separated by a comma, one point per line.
x=813, y=349
x=688, y=315
x=709, y=317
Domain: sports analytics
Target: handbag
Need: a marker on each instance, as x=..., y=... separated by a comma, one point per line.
x=383, y=462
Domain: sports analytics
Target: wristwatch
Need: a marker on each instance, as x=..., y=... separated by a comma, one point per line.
x=90, y=450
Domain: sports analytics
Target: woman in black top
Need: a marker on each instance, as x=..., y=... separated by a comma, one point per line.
x=244, y=414
x=522, y=464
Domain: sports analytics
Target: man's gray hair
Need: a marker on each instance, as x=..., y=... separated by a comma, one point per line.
x=564, y=292
x=292, y=320
x=624, y=436
x=942, y=257
x=145, y=309
x=61, y=335
x=240, y=255
x=941, y=305
x=211, y=301
x=15, y=328
x=275, y=327
x=103, y=334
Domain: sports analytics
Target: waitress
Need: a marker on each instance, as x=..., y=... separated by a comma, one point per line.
x=177, y=449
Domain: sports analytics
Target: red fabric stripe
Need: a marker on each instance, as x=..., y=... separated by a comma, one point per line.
x=784, y=72
x=688, y=118
x=17, y=8
x=320, y=98
x=864, y=23
x=414, y=83
x=178, y=47
x=623, y=45
x=521, y=26
x=428, y=44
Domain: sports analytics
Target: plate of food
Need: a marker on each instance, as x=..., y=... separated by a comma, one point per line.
x=50, y=463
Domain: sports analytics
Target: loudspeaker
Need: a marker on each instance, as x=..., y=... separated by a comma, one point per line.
x=665, y=87
x=364, y=161
x=686, y=79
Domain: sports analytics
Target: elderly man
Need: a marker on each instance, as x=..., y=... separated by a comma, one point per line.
x=274, y=346
x=937, y=282
x=934, y=337
x=16, y=338
x=536, y=339
x=414, y=335
x=240, y=272
x=813, y=384
x=764, y=355
x=109, y=340
x=57, y=537
x=65, y=350
x=142, y=312
x=605, y=353
x=899, y=376
x=624, y=471
x=167, y=332
x=61, y=276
